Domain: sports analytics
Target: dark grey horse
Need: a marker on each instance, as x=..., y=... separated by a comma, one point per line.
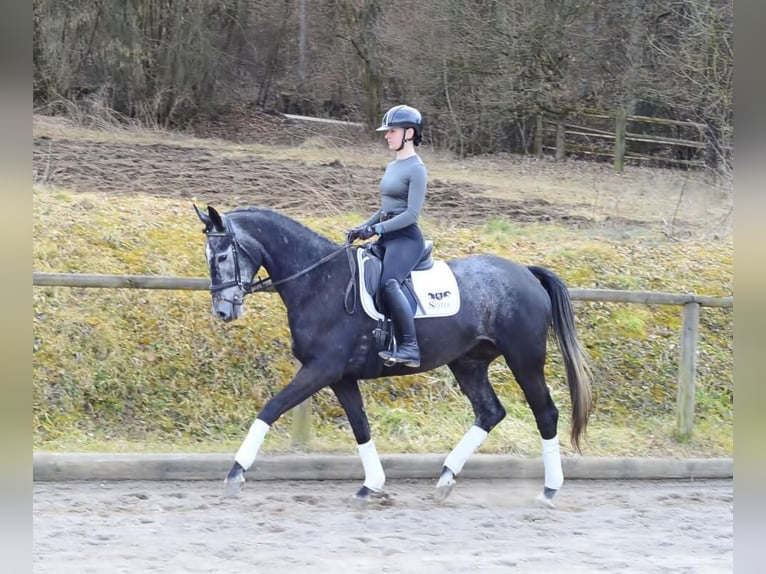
x=506, y=310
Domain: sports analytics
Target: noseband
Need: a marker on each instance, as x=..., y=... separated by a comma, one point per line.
x=266, y=283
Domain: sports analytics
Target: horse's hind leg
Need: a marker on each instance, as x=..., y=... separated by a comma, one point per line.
x=528, y=368
x=350, y=398
x=472, y=375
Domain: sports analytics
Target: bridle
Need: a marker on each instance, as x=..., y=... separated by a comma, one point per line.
x=266, y=283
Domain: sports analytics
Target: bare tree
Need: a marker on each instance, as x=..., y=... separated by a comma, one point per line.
x=359, y=27
x=480, y=70
x=693, y=65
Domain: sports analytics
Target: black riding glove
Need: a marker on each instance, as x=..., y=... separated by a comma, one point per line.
x=366, y=232
x=359, y=233
x=352, y=234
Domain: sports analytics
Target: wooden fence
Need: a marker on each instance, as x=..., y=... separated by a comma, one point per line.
x=687, y=368
x=594, y=141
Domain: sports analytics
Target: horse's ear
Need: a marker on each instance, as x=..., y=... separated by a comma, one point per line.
x=204, y=218
x=216, y=218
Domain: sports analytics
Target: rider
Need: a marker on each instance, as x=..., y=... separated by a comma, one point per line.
x=403, y=190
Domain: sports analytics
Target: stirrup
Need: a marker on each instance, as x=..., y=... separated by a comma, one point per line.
x=391, y=360
x=388, y=354
x=388, y=358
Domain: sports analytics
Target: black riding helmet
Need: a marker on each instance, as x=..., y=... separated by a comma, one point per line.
x=403, y=117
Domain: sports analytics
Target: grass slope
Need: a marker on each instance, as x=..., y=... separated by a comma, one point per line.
x=152, y=370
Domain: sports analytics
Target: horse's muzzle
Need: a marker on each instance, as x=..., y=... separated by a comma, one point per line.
x=227, y=310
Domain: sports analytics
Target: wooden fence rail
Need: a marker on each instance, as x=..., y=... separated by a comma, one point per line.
x=620, y=136
x=687, y=369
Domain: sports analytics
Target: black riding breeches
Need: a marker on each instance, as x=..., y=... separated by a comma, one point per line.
x=403, y=249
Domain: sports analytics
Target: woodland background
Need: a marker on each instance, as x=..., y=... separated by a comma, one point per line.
x=479, y=70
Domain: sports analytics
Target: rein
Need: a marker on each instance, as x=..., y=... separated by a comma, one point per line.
x=267, y=284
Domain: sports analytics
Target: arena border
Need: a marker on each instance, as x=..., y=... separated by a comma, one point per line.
x=61, y=467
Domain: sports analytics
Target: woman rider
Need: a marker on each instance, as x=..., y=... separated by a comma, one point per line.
x=403, y=191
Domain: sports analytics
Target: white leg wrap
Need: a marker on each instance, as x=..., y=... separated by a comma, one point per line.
x=554, y=476
x=470, y=442
x=374, y=477
x=252, y=444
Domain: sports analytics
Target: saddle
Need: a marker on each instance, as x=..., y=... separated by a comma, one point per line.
x=431, y=289
x=372, y=266
x=370, y=269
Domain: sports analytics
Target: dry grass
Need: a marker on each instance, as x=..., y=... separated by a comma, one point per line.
x=154, y=367
x=668, y=201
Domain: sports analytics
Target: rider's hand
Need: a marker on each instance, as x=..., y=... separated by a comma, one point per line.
x=352, y=234
x=359, y=233
x=366, y=232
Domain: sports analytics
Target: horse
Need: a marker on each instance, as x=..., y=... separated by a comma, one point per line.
x=506, y=309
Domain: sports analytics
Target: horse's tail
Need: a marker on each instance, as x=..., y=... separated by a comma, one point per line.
x=577, y=369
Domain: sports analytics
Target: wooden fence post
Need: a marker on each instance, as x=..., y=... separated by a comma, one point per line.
x=687, y=370
x=620, y=122
x=561, y=145
x=539, y=136
x=300, y=432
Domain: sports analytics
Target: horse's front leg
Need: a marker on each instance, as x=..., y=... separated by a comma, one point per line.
x=350, y=398
x=307, y=381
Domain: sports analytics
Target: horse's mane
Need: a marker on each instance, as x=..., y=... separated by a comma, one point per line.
x=281, y=220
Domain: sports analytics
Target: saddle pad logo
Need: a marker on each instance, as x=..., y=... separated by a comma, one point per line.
x=436, y=289
x=439, y=300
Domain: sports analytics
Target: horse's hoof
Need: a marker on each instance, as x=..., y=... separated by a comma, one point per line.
x=366, y=495
x=545, y=498
x=232, y=485
x=445, y=485
x=363, y=495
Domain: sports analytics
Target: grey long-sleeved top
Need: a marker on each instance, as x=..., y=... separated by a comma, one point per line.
x=403, y=192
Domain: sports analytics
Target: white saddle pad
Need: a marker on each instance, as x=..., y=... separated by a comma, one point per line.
x=436, y=290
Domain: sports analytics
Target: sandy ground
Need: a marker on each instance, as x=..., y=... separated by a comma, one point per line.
x=485, y=526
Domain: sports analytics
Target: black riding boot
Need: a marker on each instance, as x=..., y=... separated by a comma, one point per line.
x=407, y=350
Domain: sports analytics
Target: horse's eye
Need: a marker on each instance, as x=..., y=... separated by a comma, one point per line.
x=222, y=258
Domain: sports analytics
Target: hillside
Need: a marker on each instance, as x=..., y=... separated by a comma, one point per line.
x=123, y=369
